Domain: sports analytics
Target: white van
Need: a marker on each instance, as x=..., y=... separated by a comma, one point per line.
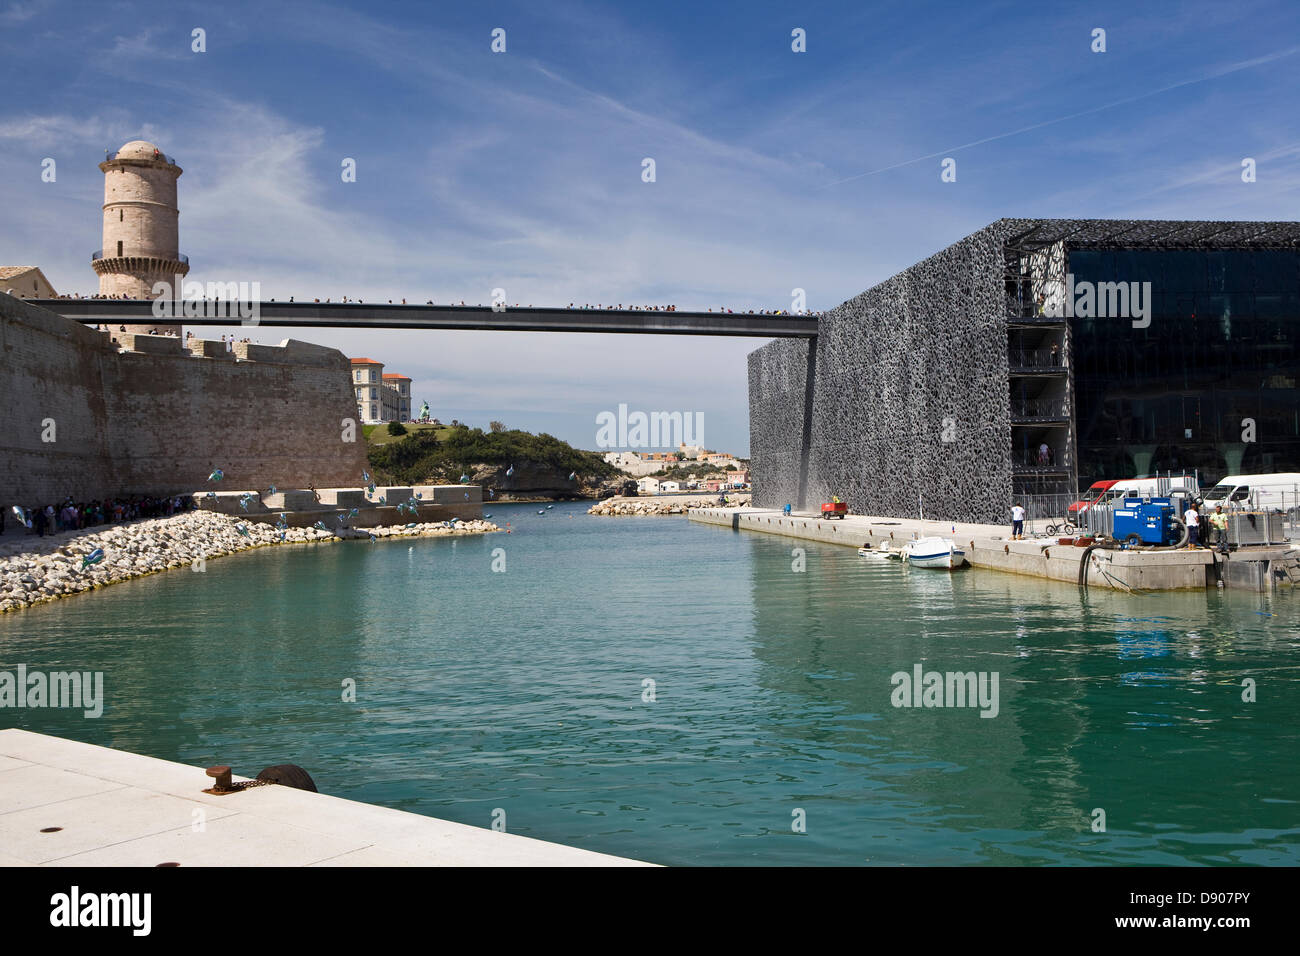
x=1256, y=491
x=1142, y=487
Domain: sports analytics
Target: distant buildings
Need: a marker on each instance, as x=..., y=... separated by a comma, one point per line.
x=655, y=486
x=633, y=464
x=26, y=282
x=400, y=386
x=380, y=397
x=638, y=464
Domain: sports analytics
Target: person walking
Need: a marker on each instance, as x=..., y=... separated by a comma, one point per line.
x=1017, y=522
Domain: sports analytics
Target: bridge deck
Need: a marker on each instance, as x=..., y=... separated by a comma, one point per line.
x=355, y=315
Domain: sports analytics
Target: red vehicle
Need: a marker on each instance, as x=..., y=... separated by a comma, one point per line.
x=1096, y=491
x=835, y=509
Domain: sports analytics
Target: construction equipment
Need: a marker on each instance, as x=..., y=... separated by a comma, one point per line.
x=1148, y=520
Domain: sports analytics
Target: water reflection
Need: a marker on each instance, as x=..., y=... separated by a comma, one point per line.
x=524, y=690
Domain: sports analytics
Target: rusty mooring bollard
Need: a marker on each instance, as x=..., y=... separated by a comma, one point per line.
x=221, y=776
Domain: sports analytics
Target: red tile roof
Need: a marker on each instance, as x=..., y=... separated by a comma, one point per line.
x=365, y=361
x=391, y=375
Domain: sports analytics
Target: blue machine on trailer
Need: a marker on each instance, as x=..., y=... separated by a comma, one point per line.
x=1149, y=521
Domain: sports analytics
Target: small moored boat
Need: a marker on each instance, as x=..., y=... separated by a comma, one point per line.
x=934, y=553
x=882, y=550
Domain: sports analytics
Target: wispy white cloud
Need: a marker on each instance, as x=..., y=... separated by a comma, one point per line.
x=143, y=46
x=66, y=130
x=1203, y=78
x=21, y=12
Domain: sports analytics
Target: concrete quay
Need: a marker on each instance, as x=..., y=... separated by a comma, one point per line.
x=986, y=546
x=114, y=808
x=303, y=507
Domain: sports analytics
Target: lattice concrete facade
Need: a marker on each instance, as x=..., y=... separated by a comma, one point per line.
x=910, y=406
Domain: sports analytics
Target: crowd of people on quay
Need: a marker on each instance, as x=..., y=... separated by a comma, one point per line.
x=72, y=515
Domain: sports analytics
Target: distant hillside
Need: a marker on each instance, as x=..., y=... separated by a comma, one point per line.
x=539, y=464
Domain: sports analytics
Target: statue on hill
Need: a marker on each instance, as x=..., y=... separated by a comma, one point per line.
x=424, y=412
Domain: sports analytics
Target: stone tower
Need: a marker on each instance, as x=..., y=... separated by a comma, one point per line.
x=141, y=232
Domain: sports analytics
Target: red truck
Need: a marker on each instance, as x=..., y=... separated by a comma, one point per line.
x=1096, y=491
x=835, y=509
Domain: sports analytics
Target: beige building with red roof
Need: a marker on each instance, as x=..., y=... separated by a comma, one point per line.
x=400, y=386
x=380, y=397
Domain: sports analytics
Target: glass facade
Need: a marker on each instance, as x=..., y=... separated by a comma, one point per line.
x=1222, y=350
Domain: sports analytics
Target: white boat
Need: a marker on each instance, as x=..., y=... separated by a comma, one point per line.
x=882, y=550
x=934, y=553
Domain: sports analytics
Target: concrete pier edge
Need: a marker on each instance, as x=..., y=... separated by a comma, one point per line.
x=116, y=808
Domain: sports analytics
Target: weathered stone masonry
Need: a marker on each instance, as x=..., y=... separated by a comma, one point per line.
x=144, y=423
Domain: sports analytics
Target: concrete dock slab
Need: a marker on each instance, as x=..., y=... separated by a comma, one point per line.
x=986, y=546
x=115, y=808
x=303, y=508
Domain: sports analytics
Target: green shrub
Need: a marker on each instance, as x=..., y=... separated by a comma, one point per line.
x=396, y=428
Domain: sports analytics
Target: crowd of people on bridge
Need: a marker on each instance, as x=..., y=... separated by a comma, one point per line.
x=348, y=300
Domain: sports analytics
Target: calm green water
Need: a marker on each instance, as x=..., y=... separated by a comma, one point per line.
x=523, y=691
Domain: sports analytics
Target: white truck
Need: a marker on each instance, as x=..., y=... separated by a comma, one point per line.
x=1154, y=487
x=1280, y=492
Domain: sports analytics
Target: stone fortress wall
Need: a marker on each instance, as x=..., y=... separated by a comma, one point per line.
x=159, y=420
x=891, y=365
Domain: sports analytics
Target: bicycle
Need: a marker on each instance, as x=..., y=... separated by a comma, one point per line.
x=1063, y=528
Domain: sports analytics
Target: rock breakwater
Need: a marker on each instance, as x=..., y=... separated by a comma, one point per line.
x=35, y=569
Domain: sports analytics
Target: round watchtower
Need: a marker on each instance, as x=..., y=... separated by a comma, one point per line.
x=141, y=230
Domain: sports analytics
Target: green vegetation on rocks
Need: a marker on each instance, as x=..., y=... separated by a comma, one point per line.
x=441, y=458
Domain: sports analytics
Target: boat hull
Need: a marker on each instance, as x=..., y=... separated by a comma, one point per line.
x=937, y=553
x=946, y=561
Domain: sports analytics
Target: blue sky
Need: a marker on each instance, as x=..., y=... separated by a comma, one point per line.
x=522, y=170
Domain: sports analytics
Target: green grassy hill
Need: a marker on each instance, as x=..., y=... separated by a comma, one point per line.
x=378, y=434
